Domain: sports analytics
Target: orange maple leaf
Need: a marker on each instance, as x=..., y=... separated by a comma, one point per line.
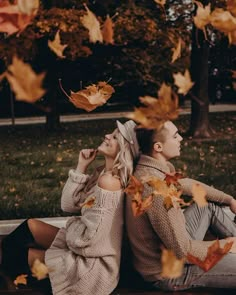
x=156, y=111
x=172, y=267
x=183, y=82
x=214, y=254
x=39, y=270
x=21, y=280
x=88, y=203
x=202, y=17
x=25, y=83
x=107, y=31
x=56, y=45
x=91, y=97
x=160, y=2
x=173, y=178
x=91, y=23
x=231, y=7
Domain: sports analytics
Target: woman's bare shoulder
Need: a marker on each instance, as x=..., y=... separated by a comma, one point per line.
x=109, y=182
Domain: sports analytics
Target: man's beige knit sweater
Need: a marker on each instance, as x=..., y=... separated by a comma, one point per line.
x=157, y=227
x=85, y=256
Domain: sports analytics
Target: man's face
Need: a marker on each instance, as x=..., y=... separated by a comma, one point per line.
x=171, y=144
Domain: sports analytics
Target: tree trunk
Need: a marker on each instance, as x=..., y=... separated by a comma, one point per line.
x=199, y=124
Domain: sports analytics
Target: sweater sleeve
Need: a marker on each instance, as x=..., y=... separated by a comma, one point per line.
x=213, y=195
x=94, y=224
x=169, y=225
x=72, y=193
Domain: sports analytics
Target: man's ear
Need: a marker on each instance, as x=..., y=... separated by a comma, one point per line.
x=157, y=147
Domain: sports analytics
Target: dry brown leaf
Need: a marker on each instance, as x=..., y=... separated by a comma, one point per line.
x=173, y=178
x=88, y=203
x=28, y=7
x=214, y=254
x=231, y=7
x=172, y=267
x=107, y=31
x=39, y=270
x=223, y=20
x=156, y=111
x=21, y=280
x=202, y=17
x=91, y=23
x=134, y=186
x=91, y=97
x=56, y=45
x=183, y=82
x=176, y=51
x=26, y=84
x=160, y=2
x=199, y=194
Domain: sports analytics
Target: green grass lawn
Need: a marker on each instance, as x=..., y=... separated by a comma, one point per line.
x=34, y=164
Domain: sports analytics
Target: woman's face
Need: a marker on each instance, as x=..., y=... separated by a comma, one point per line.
x=171, y=144
x=110, y=146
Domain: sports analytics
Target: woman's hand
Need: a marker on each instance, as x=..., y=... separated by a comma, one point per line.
x=232, y=206
x=86, y=157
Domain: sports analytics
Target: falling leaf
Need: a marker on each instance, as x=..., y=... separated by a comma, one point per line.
x=156, y=111
x=231, y=7
x=12, y=20
x=214, y=254
x=91, y=97
x=88, y=203
x=172, y=267
x=25, y=83
x=21, y=280
x=183, y=82
x=107, y=31
x=39, y=270
x=160, y=2
x=28, y=7
x=91, y=23
x=202, y=17
x=56, y=45
x=199, y=194
x=176, y=51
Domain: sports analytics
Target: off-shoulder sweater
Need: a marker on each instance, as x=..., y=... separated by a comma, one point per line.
x=157, y=226
x=84, y=257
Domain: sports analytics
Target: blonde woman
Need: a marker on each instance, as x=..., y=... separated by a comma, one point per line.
x=84, y=256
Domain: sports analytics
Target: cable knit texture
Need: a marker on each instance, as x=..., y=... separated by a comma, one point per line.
x=84, y=258
x=159, y=227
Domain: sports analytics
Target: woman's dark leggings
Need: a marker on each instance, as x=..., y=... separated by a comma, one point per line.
x=15, y=248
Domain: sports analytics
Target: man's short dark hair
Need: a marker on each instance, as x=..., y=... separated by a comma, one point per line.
x=145, y=140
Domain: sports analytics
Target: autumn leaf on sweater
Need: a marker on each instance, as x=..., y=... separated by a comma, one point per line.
x=21, y=280
x=39, y=270
x=28, y=7
x=199, y=194
x=176, y=51
x=172, y=267
x=183, y=82
x=12, y=20
x=156, y=111
x=134, y=186
x=173, y=178
x=231, y=6
x=88, y=203
x=26, y=84
x=202, y=17
x=56, y=45
x=214, y=254
x=91, y=23
x=107, y=31
x=91, y=97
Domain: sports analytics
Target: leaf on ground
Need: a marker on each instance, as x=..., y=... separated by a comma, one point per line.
x=26, y=84
x=88, y=203
x=214, y=254
x=199, y=194
x=39, y=270
x=56, y=45
x=172, y=267
x=21, y=280
x=183, y=82
x=176, y=51
x=92, y=97
x=28, y=7
x=107, y=31
x=91, y=23
x=156, y=110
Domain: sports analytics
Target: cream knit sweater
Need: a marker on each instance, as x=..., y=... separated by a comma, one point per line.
x=157, y=227
x=84, y=258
